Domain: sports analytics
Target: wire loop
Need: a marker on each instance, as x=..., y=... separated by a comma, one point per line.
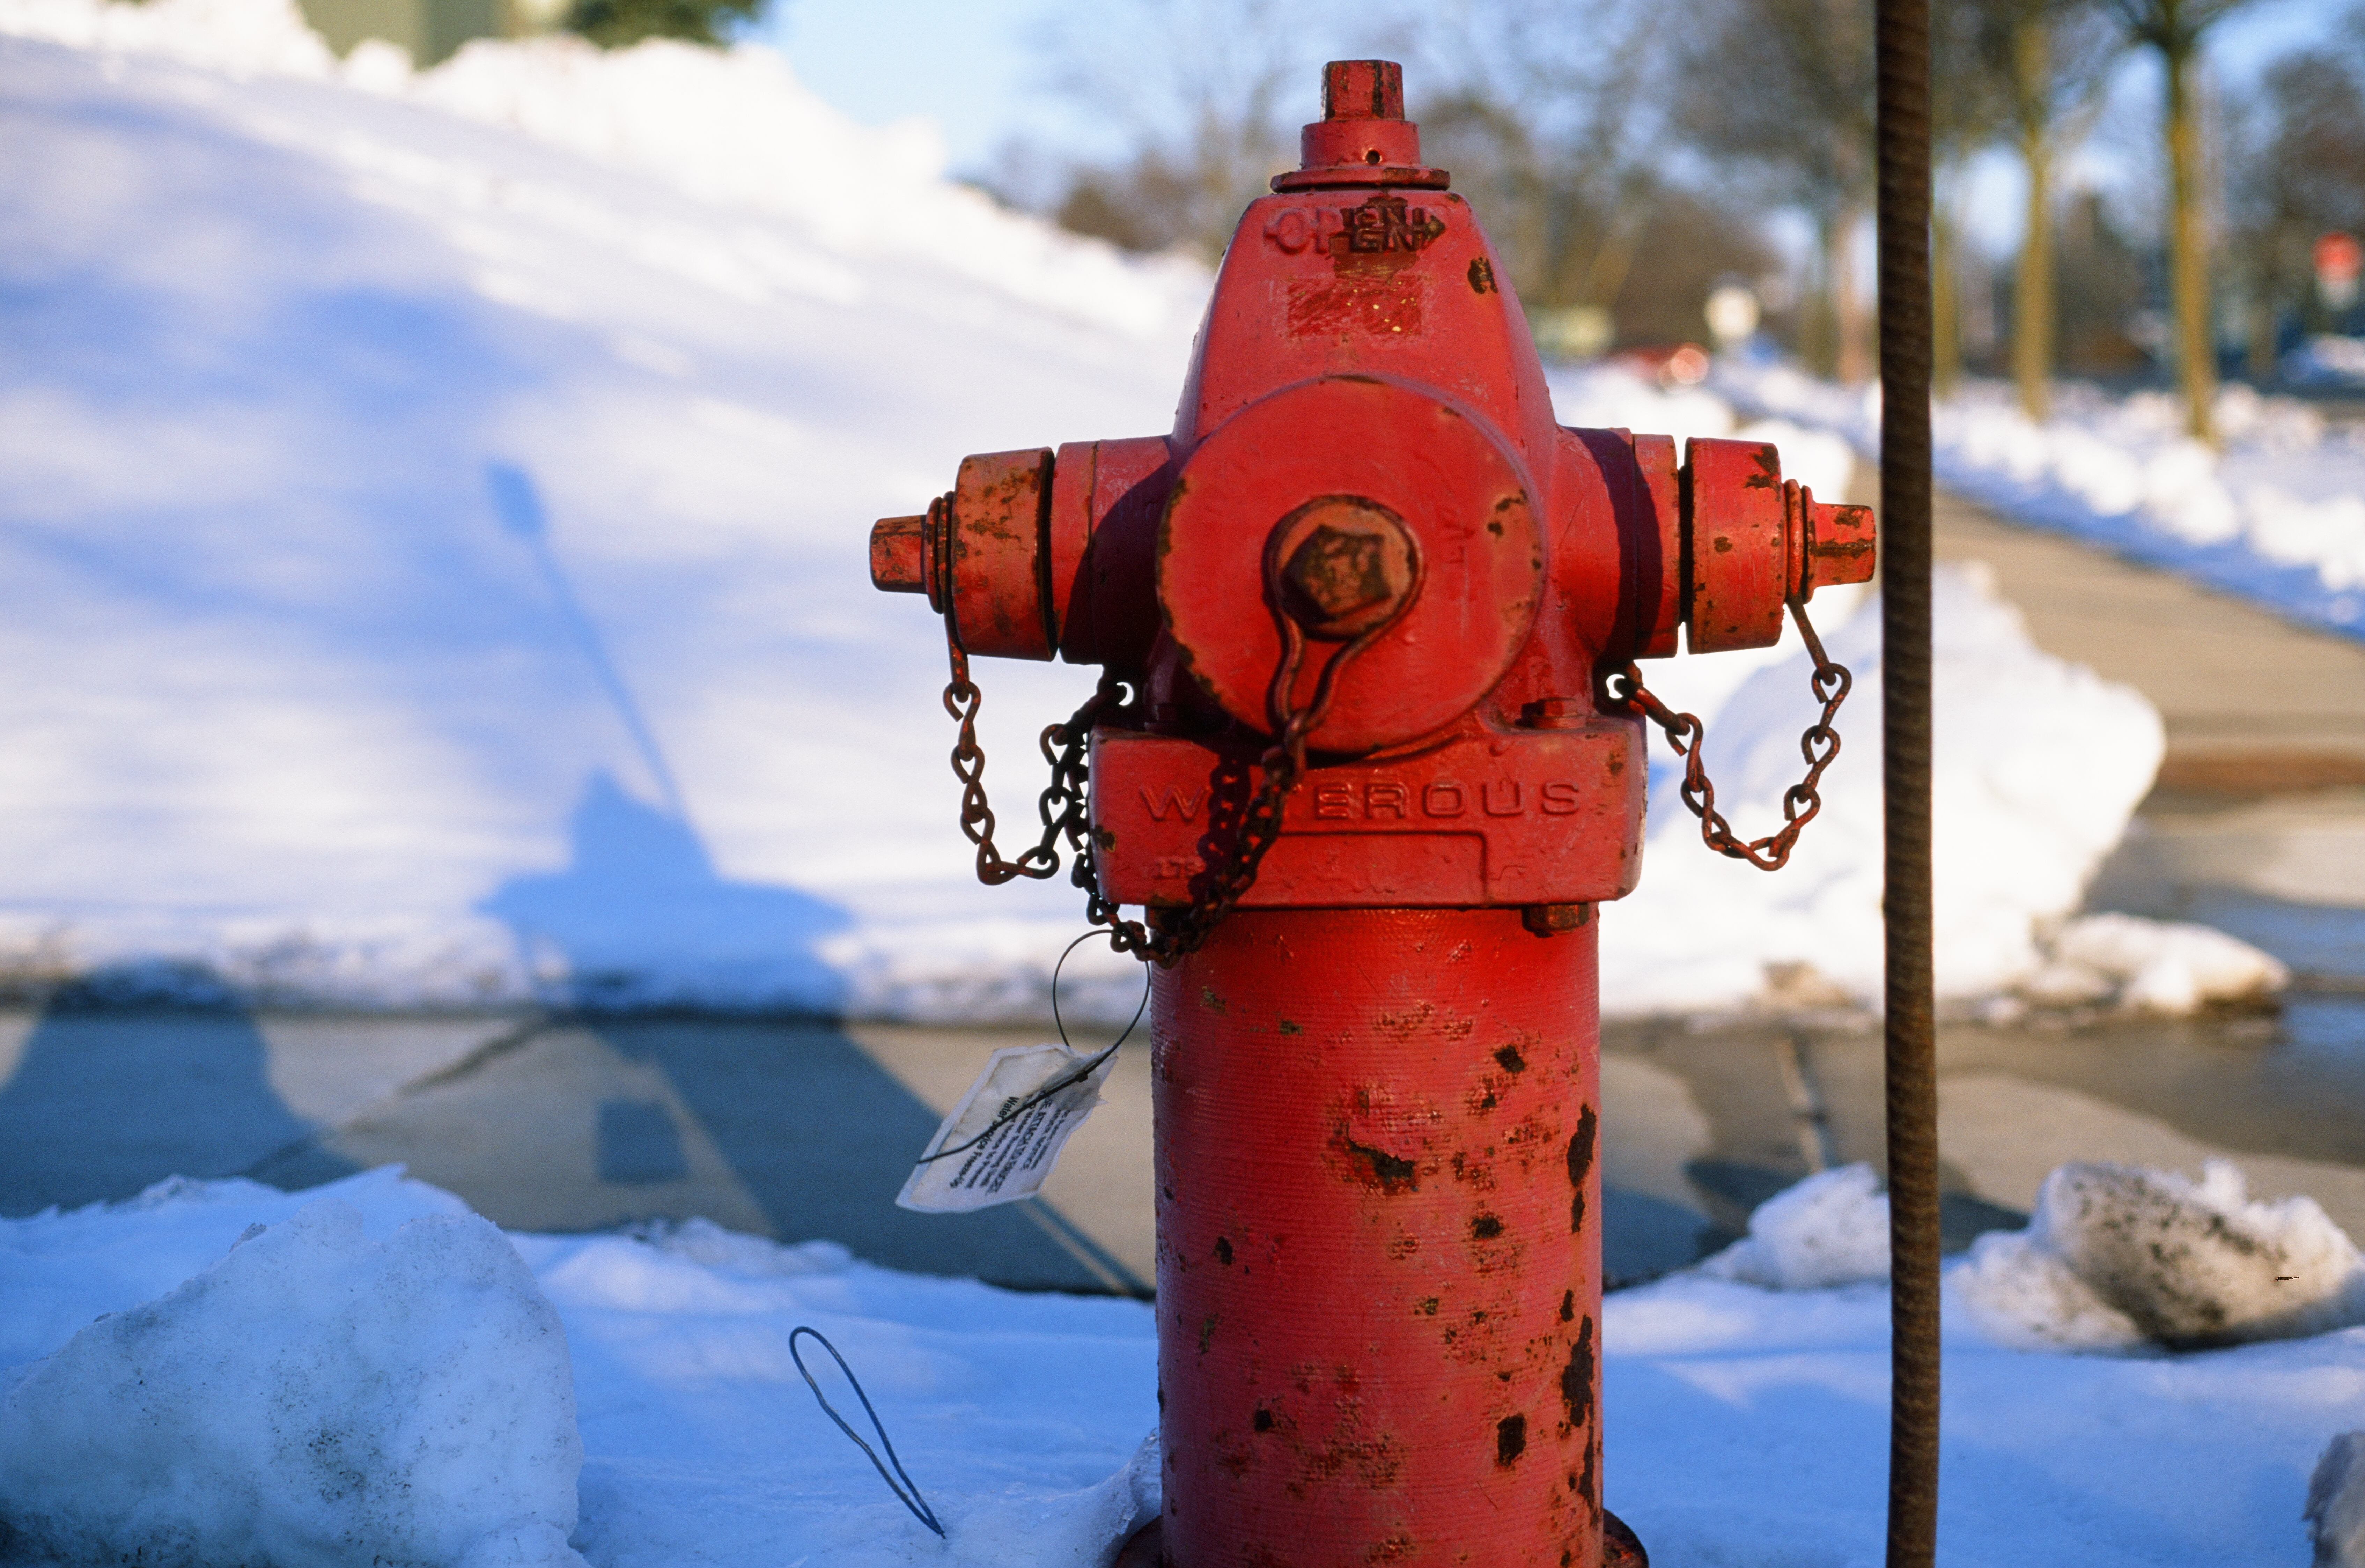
x=908, y=1491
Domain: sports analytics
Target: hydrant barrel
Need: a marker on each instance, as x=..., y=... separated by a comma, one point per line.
x=1379, y=1242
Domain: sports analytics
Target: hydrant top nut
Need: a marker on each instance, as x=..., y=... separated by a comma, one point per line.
x=1349, y=565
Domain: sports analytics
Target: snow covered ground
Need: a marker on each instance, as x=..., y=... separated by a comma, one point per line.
x=435, y=565
x=2278, y=516
x=1746, y=1426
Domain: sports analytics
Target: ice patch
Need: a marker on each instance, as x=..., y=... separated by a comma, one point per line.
x=1830, y=1229
x=2116, y=1257
x=315, y=1399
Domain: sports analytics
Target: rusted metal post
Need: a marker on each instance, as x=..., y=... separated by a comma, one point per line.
x=1355, y=757
x=1902, y=35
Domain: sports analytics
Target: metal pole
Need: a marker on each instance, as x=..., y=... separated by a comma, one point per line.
x=1902, y=33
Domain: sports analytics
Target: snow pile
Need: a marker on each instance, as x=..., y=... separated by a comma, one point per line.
x=734, y=128
x=434, y=1359
x=1830, y=1229
x=2116, y=1257
x=444, y=554
x=2037, y=767
x=737, y=129
x=2336, y=1502
x=241, y=38
x=2279, y=517
x=1732, y=1416
x=2151, y=966
x=314, y=1399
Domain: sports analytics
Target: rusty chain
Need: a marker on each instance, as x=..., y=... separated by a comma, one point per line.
x=1818, y=746
x=1064, y=806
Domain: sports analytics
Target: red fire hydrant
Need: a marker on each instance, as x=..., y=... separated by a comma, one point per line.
x=1360, y=754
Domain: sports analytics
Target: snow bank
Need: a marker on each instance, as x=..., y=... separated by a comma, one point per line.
x=2151, y=966
x=2278, y=516
x=494, y=628
x=2037, y=767
x=295, y=1387
x=2336, y=1504
x=240, y=38
x=731, y=127
x=2117, y=1256
x=1734, y=1416
x=1830, y=1229
x=314, y=1399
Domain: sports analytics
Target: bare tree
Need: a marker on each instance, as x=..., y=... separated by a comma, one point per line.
x=1539, y=108
x=1966, y=113
x=1204, y=97
x=2174, y=29
x=2044, y=64
x=1784, y=89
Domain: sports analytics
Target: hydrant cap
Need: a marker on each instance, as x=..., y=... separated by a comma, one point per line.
x=1362, y=138
x=1384, y=509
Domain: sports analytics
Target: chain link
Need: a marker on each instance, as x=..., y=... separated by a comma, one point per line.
x=1065, y=809
x=1818, y=746
x=1065, y=813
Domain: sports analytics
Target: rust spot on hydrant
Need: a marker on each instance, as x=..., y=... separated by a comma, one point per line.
x=1580, y=1164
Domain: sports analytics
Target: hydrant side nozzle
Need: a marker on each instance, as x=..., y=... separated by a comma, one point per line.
x=896, y=555
x=1840, y=545
x=1753, y=540
x=999, y=576
x=1739, y=565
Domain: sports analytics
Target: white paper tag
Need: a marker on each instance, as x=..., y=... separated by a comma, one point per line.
x=1000, y=1164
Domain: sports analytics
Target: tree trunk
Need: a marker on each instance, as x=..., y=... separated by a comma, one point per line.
x=1818, y=340
x=2032, y=298
x=1945, y=303
x=1854, y=321
x=2186, y=259
x=2262, y=329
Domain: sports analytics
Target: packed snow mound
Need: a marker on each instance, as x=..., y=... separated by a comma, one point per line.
x=699, y=1441
x=1830, y=1229
x=2336, y=1504
x=241, y=38
x=731, y=127
x=2278, y=516
x=2036, y=768
x=1734, y=1416
x=2151, y=966
x=315, y=1399
x=2117, y=1256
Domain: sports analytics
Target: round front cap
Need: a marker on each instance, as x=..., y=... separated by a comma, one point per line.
x=1386, y=510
